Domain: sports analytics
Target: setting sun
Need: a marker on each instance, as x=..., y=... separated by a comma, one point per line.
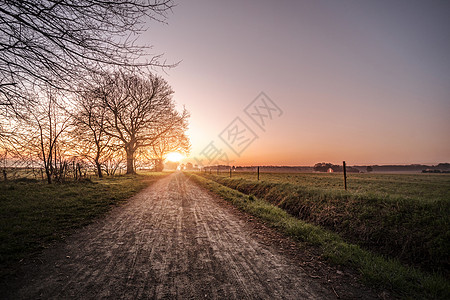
x=174, y=157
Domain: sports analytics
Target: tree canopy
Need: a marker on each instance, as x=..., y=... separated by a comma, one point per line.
x=140, y=113
x=61, y=42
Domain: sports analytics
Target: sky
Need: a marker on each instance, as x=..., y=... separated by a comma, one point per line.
x=367, y=82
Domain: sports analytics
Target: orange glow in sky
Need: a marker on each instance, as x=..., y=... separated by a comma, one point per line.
x=174, y=157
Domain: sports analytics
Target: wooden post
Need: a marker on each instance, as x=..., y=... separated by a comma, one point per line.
x=258, y=173
x=345, y=174
x=230, y=172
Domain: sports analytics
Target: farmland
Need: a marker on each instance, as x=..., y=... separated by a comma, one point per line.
x=421, y=187
x=397, y=215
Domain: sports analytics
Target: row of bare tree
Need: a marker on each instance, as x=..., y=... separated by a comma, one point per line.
x=120, y=117
x=75, y=88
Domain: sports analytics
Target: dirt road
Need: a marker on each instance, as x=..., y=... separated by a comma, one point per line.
x=173, y=240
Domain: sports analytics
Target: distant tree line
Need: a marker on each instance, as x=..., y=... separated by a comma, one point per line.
x=443, y=167
x=326, y=167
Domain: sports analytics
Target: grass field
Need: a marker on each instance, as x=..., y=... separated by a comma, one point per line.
x=33, y=214
x=402, y=216
x=422, y=187
x=377, y=270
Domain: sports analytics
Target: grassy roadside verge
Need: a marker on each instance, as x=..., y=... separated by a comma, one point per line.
x=406, y=282
x=34, y=214
x=409, y=229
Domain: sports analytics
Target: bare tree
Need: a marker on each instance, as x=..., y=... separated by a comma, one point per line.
x=90, y=121
x=141, y=112
x=46, y=125
x=13, y=145
x=59, y=42
x=113, y=159
x=172, y=140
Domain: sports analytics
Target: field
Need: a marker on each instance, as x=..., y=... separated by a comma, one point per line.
x=401, y=216
x=421, y=187
x=33, y=214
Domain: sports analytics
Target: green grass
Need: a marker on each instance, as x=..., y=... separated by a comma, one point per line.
x=421, y=187
x=406, y=282
x=33, y=214
x=403, y=225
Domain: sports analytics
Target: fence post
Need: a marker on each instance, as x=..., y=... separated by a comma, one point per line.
x=258, y=173
x=345, y=174
x=230, y=172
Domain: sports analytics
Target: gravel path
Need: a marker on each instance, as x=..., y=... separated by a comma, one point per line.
x=173, y=240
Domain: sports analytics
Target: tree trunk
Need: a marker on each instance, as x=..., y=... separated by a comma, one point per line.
x=159, y=165
x=130, y=161
x=79, y=171
x=49, y=175
x=99, y=169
